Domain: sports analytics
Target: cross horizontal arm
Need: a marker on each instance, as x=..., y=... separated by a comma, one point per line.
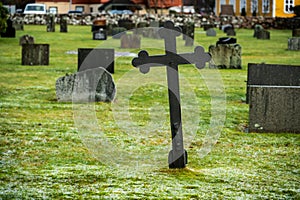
x=144, y=61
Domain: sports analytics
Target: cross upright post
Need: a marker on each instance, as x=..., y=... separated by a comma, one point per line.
x=178, y=155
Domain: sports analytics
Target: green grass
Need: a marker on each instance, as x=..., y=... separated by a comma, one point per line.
x=42, y=154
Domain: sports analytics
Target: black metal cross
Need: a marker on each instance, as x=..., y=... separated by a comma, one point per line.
x=178, y=155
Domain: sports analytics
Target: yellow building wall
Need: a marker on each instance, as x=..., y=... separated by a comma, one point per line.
x=279, y=11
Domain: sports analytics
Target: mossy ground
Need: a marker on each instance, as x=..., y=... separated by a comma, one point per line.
x=42, y=155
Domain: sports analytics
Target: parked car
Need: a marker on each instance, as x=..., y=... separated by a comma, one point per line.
x=35, y=8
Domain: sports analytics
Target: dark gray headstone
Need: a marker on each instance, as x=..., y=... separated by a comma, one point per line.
x=50, y=23
x=273, y=94
x=10, y=31
x=257, y=28
x=274, y=109
x=26, y=39
x=131, y=41
x=87, y=86
x=89, y=58
x=263, y=35
x=35, y=54
x=230, y=32
x=294, y=43
x=63, y=24
x=211, y=32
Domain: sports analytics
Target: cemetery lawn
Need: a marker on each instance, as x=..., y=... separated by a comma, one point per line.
x=42, y=155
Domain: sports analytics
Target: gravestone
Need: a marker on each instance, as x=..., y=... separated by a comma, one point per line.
x=263, y=35
x=230, y=32
x=294, y=43
x=89, y=58
x=178, y=155
x=130, y=41
x=273, y=94
x=141, y=28
x=99, y=35
x=296, y=32
x=35, y=54
x=226, y=54
x=63, y=24
x=257, y=29
x=10, y=31
x=50, y=23
x=26, y=39
x=211, y=32
x=90, y=85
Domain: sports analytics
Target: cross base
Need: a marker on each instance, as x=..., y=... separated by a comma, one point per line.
x=179, y=162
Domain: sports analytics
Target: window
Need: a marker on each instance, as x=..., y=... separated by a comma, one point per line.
x=53, y=10
x=288, y=4
x=265, y=6
x=79, y=8
x=243, y=9
x=254, y=6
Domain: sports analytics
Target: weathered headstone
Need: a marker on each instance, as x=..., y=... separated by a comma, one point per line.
x=130, y=41
x=178, y=155
x=50, y=23
x=294, y=43
x=211, y=32
x=18, y=25
x=263, y=35
x=226, y=54
x=26, y=39
x=10, y=30
x=257, y=29
x=230, y=32
x=88, y=86
x=273, y=93
x=35, y=54
x=63, y=24
x=152, y=30
x=89, y=58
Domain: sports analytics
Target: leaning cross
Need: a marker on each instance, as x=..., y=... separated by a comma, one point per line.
x=178, y=155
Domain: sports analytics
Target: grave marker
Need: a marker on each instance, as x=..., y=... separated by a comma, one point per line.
x=35, y=54
x=89, y=58
x=63, y=24
x=10, y=31
x=92, y=85
x=178, y=155
x=26, y=39
x=50, y=23
x=273, y=93
x=211, y=32
x=130, y=41
x=226, y=54
x=294, y=43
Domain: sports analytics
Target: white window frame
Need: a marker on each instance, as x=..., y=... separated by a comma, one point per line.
x=243, y=4
x=252, y=4
x=265, y=4
x=287, y=5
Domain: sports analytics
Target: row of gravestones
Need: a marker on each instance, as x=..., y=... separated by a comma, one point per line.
x=272, y=90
